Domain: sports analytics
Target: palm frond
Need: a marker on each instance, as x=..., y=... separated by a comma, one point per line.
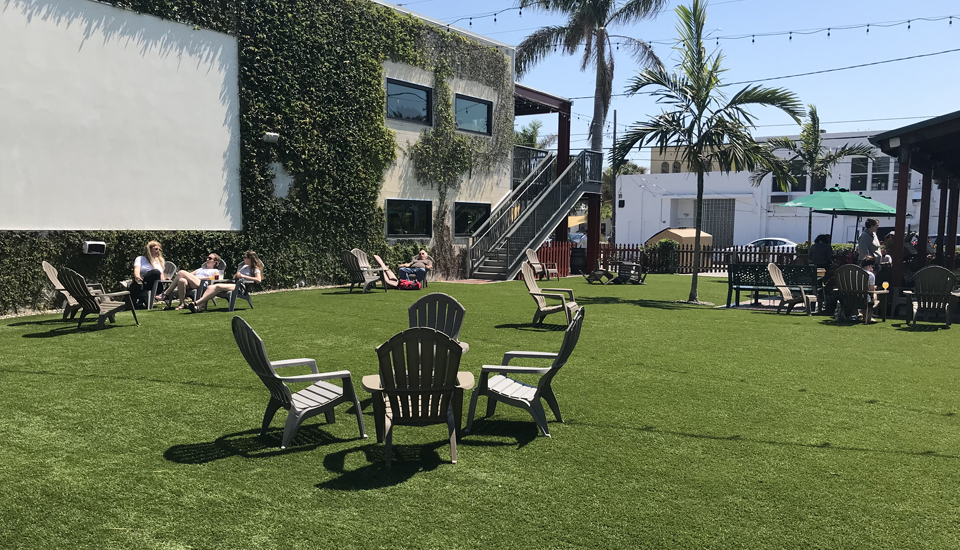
x=641, y=52
x=636, y=10
x=538, y=46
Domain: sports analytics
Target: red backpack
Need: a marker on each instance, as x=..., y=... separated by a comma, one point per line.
x=405, y=284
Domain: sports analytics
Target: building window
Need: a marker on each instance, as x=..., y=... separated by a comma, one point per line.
x=676, y=167
x=896, y=175
x=819, y=184
x=796, y=170
x=409, y=102
x=880, y=178
x=858, y=173
x=408, y=218
x=473, y=115
x=664, y=167
x=469, y=216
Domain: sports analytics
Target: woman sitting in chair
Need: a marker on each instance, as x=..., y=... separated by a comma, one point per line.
x=147, y=269
x=185, y=280
x=251, y=272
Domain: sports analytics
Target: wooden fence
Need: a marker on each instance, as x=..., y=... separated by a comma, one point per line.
x=558, y=253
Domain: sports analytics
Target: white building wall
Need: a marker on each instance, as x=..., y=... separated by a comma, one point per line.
x=656, y=201
x=115, y=120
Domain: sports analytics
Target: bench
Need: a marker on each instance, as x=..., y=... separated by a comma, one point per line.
x=756, y=278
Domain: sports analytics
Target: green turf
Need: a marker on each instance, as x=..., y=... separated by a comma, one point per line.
x=686, y=427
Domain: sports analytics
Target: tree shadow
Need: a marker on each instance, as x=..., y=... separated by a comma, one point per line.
x=249, y=444
x=824, y=445
x=599, y=300
x=666, y=305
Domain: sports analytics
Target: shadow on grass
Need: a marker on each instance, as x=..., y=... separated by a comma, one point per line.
x=667, y=305
x=71, y=329
x=533, y=328
x=740, y=439
x=920, y=328
x=599, y=300
x=409, y=460
x=46, y=322
x=124, y=379
x=248, y=444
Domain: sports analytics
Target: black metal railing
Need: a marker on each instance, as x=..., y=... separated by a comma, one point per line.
x=525, y=161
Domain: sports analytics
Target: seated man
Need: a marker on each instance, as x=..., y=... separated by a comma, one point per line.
x=418, y=266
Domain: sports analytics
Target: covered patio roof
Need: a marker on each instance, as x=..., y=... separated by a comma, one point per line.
x=931, y=147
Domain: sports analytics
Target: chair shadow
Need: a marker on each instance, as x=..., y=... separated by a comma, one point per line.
x=599, y=300
x=71, y=329
x=45, y=322
x=533, y=328
x=524, y=432
x=249, y=444
x=666, y=305
x=920, y=328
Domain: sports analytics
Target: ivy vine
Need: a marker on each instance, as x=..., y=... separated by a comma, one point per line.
x=311, y=70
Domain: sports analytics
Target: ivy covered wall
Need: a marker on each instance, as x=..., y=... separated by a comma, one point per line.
x=311, y=70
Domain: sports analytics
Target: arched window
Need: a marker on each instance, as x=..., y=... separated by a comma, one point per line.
x=676, y=167
x=664, y=167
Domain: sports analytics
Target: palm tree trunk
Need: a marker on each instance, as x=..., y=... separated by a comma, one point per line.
x=694, y=295
x=596, y=125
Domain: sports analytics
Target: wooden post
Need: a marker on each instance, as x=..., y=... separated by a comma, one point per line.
x=950, y=239
x=562, y=233
x=593, y=230
x=900, y=226
x=942, y=220
x=924, y=218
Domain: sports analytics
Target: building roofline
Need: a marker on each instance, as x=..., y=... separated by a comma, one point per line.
x=459, y=30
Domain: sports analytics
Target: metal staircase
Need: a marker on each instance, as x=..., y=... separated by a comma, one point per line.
x=527, y=217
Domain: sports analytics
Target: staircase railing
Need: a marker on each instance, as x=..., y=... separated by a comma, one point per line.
x=552, y=205
x=508, y=211
x=526, y=160
x=529, y=215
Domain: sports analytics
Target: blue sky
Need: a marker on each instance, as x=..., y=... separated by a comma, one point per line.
x=920, y=88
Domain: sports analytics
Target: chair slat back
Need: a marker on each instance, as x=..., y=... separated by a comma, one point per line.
x=534, y=261
x=51, y=273
x=530, y=280
x=570, y=338
x=418, y=370
x=933, y=285
x=777, y=276
x=852, y=282
x=438, y=311
x=352, y=263
x=389, y=275
x=77, y=287
x=363, y=261
x=253, y=350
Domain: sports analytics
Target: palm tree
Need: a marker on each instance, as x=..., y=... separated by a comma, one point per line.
x=587, y=27
x=706, y=125
x=529, y=136
x=809, y=157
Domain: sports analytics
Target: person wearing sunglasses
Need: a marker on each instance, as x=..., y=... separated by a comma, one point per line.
x=184, y=280
x=250, y=272
x=147, y=269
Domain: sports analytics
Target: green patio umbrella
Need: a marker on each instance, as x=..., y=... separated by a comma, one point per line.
x=841, y=202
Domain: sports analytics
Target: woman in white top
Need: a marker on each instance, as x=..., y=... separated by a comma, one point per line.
x=251, y=272
x=185, y=279
x=147, y=269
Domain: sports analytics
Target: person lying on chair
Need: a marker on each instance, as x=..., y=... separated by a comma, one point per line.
x=251, y=272
x=184, y=280
x=418, y=266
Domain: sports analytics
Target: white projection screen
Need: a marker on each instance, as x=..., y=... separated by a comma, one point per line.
x=114, y=120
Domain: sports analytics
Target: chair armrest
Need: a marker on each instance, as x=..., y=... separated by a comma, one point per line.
x=93, y=286
x=371, y=383
x=907, y=292
x=465, y=380
x=486, y=369
x=312, y=363
x=344, y=374
x=114, y=294
x=548, y=264
x=566, y=290
x=555, y=296
x=511, y=355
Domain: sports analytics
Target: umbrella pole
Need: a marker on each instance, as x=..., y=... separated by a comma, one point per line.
x=833, y=219
x=810, y=227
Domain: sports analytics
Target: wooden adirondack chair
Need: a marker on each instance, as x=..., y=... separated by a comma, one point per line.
x=419, y=384
x=390, y=278
x=504, y=389
x=70, y=304
x=786, y=295
x=933, y=290
x=542, y=269
x=568, y=307
x=319, y=397
x=361, y=274
x=852, y=283
x=441, y=312
x=102, y=305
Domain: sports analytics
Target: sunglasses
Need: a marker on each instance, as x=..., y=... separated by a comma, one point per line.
x=211, y=258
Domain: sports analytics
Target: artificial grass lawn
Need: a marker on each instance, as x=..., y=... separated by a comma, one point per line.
x=686, y=427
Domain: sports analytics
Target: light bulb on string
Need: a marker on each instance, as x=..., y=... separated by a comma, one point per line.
x=471, y=22
x=520, y=12
x=753, y=39
x=791, y=36
x=828, y=33
x=494, y=19
x=868, y=29
x=908, y=24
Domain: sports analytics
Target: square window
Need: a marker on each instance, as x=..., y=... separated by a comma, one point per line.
x=858, y=182
x=468, y=217
x=819, y=184
x=409, y=218
x=858, y=173
x=473, y=115
x=409, y=102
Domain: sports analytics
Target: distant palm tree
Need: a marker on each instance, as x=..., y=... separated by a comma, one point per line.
x=529, y=136
x=808, y=157
x=587, y=27
x=704, y=124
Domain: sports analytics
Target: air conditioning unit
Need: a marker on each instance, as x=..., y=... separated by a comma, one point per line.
x=94, y=247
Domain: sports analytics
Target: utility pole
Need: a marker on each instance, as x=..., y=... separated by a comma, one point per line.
x=614, y=201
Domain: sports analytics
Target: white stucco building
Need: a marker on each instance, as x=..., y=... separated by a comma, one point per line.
x=736, y=212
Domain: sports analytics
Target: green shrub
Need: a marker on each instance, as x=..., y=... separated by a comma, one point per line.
x=664, y=257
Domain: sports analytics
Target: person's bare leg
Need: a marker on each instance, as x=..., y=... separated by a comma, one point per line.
x=181, y=292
